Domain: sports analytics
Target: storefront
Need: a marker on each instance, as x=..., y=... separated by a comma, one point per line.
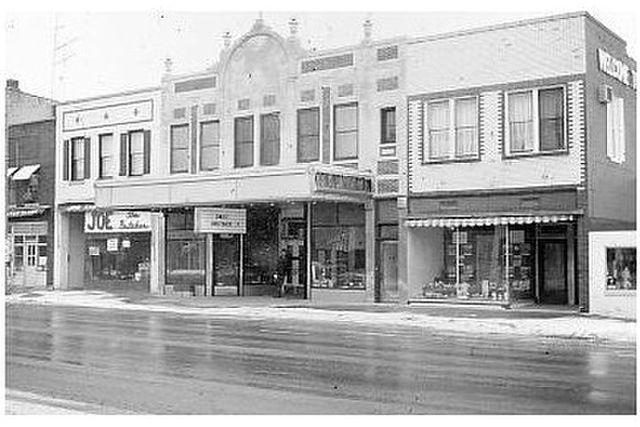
x=498, y=260
x=27, y=260
x=117, y=249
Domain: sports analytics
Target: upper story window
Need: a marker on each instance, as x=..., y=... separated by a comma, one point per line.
x=179, y=136
x=536, y=121
x=243, y=141
x=135, y=153
x=105, y=148
x=209, y=145
x=269, y=139
x=78, y=158
x=616, y=149
x=452, y=129
x=345, y=136
x=388, y=125
x=309, y=135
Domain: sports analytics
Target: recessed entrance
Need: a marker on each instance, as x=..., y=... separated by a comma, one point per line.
x=553, y=271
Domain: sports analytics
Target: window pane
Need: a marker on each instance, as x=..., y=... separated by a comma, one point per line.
x=466, y=113
x=77, y=163
x=466, y=141
x=439, y=144
x=466, y=127
x=179, y=148
x=388, y=119
x=270, y=139
x=621, y=268
x=521, y=121
x=185, y=261
x=244, y=141
x=309, y=122
x=346, y=146
x=438, y=115
x=308, y=148
x=338, y=257
x=551, y=102
x=209, y=145
x=106, y=150
x=308, y=135
x=346, y=118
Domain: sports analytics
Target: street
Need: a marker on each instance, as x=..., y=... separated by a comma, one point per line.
x=167, y=363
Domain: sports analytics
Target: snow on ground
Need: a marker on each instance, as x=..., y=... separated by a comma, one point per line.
x=25, y=403
x=577, y=326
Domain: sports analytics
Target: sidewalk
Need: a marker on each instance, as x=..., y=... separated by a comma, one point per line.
x=525, y=321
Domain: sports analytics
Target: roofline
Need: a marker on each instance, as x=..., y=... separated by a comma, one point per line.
x=111, y=95
x=18, y=90
x=523, y=22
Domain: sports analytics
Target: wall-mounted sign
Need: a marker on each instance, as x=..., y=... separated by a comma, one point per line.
x=616, y=69
x=116, y=222
x=217, y=220
x=94, y=251
x=331, y=182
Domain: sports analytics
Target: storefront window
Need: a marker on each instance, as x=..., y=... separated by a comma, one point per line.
x=338, y=238
x=621, y=268
x=118, y=257
x=185, y=250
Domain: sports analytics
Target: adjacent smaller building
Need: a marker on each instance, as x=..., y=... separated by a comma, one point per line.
x=29, y=198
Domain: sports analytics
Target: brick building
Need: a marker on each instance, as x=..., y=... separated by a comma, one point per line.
x=464, y=166
x=29, y=197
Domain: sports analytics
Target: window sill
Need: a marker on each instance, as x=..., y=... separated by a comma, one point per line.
x=77, y=182
x=452, y=160
x=104, y=178
x=562, y=152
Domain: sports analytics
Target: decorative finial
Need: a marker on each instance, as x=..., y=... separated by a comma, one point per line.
x=168, y=65
x=227, y=39
x=368, y=27
x=293, y=27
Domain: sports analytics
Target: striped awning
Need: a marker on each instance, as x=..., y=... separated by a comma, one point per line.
x=20, y=212
x=488, y=221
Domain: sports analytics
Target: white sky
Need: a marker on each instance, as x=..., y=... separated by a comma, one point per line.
x=115, y=51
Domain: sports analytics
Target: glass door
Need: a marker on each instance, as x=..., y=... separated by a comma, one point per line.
x=226, y=264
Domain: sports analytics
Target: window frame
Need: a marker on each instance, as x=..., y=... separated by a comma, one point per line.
x=383, y=125
x=101, y=171
x=72, y=151
x=236, y=120
x=130, y=153
x=187, y=148
x=299, y=135
x=263, y=116
x=201, y=146
x=336, y=107
x=452, y=129
x=536, y=151
x=616, y=149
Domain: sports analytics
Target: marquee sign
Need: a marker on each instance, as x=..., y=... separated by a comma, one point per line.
x=219, y=220
x=331, y=182
x=116, y=222
x=616, y=69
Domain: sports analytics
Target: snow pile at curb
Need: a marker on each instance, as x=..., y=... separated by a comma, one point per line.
x=579, y=326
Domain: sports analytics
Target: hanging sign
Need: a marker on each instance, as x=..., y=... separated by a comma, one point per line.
x=218, y=220
x=116, y=222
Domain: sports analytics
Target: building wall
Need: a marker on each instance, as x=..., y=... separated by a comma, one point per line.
x=611, y=186
x=90, y=118
x=22, y=107
x=425, y=258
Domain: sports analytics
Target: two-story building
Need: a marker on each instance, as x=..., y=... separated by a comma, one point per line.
x=29, y=196
x=521, y=141
x=272, y=153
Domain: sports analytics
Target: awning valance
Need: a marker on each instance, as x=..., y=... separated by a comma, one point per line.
x=25, y=172
x=21, y=212
x=488, y=221
x=78, y=208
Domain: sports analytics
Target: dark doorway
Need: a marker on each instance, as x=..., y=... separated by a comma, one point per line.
x=553, y=271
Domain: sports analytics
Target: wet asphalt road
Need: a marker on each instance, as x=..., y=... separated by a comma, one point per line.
x=166, y=363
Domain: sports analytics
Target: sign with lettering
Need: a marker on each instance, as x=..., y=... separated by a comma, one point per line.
x=616, y=69
x=219, y=220
x=117, y=222
x=331, y=182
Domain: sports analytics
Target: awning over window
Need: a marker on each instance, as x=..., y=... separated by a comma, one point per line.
x=78, y=208
x=11, y=171
x=21, y=212
x=487, y=221
x=25, y=172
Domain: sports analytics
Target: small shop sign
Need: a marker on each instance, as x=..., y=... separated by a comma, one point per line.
x=117, y=222
x=331, y=182
x=616, y=69
x=220, y=220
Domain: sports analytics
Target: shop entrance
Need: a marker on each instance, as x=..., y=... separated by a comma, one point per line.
x=553, y=271
x=389, y=270
x=226, y=264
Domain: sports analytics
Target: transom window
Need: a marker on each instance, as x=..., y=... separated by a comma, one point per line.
x=535, y=121
x=452, y=129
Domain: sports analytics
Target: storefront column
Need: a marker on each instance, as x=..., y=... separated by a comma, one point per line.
x=208, y=268
x=157, y=262
x=403, y=252
x=370, y=247
x=309, y=253
x=571, y=282
x=61, y=252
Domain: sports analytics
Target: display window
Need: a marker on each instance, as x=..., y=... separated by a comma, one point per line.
x=185, y=250
x=118, y=257
x=621, y=269
x=338, y=239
